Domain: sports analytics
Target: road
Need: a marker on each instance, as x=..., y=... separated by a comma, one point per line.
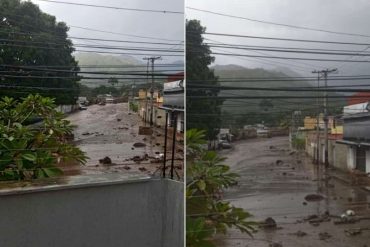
x=111, y=131
x=274, y=183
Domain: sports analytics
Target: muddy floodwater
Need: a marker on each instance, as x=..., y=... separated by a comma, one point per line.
x=111, y=131
x=274, y=182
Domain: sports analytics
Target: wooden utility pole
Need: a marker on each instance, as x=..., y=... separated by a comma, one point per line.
x=325, y=73
x=317, y=151
x=152, y=60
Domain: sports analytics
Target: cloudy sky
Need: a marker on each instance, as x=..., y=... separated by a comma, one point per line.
x=156, y=25
x=333, y=15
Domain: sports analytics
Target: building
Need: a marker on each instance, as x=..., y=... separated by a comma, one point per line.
x=144, y=107
x=173, y=103
x=356, y=135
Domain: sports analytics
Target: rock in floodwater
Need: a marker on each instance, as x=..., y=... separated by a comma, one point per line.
x=313, y=197
x=139, y=144
x=106, y=160
x=269, y=223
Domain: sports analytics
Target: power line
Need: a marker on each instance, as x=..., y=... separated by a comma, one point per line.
x=287, y=39
x=97, y=30
x=284, y=89
x=297, y=50
x=123, y=34
x=116, y=8
x=278, y=24
x=260, y=60
x=85, y=38
x=75, y=77
x=89, y=66
x=285, y=58
x=98, y=47
x=271, y=97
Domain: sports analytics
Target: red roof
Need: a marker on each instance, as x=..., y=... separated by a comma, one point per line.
x=176, y=77
x=357, y=98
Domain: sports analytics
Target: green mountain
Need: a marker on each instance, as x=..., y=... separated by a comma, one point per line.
x=110, y=63
x=268, y=110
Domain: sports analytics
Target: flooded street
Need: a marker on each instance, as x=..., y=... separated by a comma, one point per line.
x=275, y=182
x=111, y=131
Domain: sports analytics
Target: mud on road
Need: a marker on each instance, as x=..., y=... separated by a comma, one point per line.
x=305, y=202
x=111, y=131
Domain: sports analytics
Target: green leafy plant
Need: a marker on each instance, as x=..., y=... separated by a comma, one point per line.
x=34, y=150
x=298, y=143
x=207, y=177
x=134, y=106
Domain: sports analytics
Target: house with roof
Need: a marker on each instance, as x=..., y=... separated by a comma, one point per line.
x=356, y=132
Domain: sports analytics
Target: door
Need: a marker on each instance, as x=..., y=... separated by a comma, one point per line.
x=361, y=159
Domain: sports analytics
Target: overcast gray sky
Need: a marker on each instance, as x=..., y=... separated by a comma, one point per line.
x=164, y=26
x=335, y=15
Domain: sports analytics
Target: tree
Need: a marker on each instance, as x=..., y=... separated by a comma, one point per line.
x=34, y=46
x=33, y=151
x=202, y=113
x=113, y=81
x=105, y=90
x=206, y=212
x=266, y=105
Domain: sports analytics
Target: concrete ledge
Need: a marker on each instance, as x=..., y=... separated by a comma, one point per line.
x=72, y=182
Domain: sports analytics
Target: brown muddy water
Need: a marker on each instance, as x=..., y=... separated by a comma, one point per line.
x=274, y=183
x=111, y=131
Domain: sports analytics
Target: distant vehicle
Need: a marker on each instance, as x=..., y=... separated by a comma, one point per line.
x=224, y=144
x=82, y=107
x=109, y=100
x=101, y=103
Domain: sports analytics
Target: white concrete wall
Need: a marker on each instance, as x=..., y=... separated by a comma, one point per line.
x=145, y=213
x=367, y=161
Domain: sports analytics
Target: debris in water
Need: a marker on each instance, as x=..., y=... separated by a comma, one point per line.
x=86, y=133
x=300, y=234
x=275, y=245
x=279, y=162
x=324, y=236
x=269, y=223
x=313, y=197
x=106, y=160
x=143, y=169
x=139, y=144
x=350, y=212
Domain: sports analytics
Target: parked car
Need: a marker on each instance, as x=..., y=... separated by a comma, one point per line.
x=224, y=145
x=82, y=107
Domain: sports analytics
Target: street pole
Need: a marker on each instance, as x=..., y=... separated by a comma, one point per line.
x=146, y=92
x=317, y=151
x=326, y=134
x=152, y=60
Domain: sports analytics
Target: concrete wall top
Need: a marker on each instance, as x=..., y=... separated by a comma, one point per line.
x=72, y=182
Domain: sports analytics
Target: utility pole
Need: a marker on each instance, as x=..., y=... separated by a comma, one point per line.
x=325, y=75
x=152, y=60
x=317, y=151
x=146, y=92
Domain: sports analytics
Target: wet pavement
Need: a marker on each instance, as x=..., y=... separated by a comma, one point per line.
x=274, y=183
x=111, y=131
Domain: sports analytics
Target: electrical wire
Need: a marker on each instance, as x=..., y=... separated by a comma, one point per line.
x=114, y=7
